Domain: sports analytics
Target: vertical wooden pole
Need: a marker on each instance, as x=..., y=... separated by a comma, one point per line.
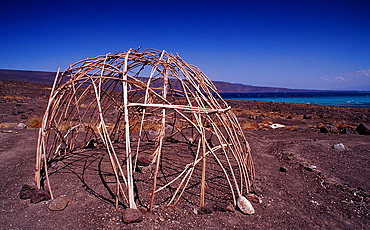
x=130, y=179
x=204, y=162
x=161, y=137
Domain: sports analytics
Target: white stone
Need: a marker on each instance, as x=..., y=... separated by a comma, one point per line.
x=22, y=125
x=276, y=126
x=245, y=206
x=339, y=146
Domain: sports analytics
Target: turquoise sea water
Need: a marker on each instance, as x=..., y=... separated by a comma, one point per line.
x=336, y=98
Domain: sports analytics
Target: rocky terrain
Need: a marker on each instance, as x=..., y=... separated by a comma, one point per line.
x=312, y=172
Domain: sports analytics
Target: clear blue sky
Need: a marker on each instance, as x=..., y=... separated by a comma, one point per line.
x=295, y=44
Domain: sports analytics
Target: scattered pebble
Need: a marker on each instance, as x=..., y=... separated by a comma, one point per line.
x=245, y=206
x=254, y=198
x=142, y=209
x=206, y=209
x=54, y=165
x=58, y=204
x=339, y=146
x=39, y=195
x=24, y=116
x=142, y=161
x=314, y=202
x=26, y=191
x=230, y=207
x=91, y=144
x=276, y=126
x=307, y=116
x=132, y=215
x=329, y=129
x=144, y=169
x=310, y=168
x=347, y=130
x=8, y=131
x=282, y=169
x=21, y=126
x=221, y=207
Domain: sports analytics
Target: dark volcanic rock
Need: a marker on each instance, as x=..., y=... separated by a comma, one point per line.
x=221, y=207
x=143, y=161
x=363, y=129
x=24, y=116
x=347, y=130
x=39, y=195
x=143, y=165
x=17, y=113
x=324, y=129
x=26, y=191
x=91, y=144
x=282, y=169
x=307, y=116
x=131, y=215
x=206, y=209
x=329, y=129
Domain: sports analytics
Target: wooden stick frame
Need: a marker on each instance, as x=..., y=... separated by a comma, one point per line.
x=118, y=97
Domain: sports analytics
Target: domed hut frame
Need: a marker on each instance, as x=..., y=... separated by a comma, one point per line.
x=139, y=98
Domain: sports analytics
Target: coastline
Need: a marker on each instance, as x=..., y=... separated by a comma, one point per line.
x=336, y=98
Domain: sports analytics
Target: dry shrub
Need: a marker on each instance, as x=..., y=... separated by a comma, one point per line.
x=249, y=125
x=89, y=128
x=291, y=127
x=155, y=126
x=65, y=127
x=262, y=125
x=148, y=125
x=35, y=122
x=342, y=126
x=134, y=128
x=5, y=125
x=15, y=97
x=244, y=113
x=237, y=111
x=320, y=125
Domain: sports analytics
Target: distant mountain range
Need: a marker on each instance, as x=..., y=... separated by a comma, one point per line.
x=28, y=76
x=359, y=88
x=223, y=87
x=226, y=87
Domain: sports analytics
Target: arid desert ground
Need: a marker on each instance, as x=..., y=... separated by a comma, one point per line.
x=304, y=179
